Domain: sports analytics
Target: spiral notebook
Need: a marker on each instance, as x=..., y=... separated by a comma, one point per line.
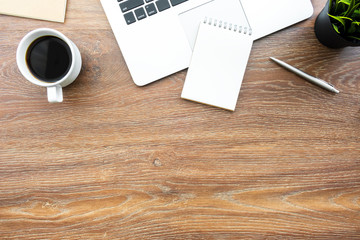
x=218, y=64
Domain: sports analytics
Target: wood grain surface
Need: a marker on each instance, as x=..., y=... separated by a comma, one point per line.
x=117, y=161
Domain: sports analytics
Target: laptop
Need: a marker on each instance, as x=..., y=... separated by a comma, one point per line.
x=156, y=37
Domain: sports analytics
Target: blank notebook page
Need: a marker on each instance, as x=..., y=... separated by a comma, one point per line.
x=218, y=64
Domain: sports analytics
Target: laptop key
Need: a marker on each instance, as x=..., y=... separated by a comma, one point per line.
x=150, y=9
x=130, y=4
x=162, y=5
x=129, y=18
x=140, y=13
x=176, y=2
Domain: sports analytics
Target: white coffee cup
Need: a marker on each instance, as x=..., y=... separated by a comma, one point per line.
x=54, y=89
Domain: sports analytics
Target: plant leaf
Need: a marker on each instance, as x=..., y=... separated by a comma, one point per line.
x=351, y=29
x=346, y=2
x=351, y=11
x=336, y=28
x=340, y=19
x=353, y=37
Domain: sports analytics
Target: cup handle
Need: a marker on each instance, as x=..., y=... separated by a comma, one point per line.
x=55, y=94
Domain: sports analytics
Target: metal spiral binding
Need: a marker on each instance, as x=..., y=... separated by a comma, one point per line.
x=228, y=26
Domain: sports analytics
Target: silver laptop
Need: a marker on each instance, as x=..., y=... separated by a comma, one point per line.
x=156, y=37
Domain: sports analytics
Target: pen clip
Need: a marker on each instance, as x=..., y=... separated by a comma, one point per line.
x=326, y=82
x=330, y=84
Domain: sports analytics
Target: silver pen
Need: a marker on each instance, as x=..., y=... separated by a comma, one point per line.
x=314, y=80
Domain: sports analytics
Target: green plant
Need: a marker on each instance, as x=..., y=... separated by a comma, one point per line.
x=345, y=17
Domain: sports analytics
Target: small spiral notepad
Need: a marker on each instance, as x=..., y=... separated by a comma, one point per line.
x=218, y=64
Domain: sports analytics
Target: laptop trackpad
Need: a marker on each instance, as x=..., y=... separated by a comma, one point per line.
x=224, y=10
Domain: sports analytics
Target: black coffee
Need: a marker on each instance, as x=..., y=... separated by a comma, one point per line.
x=49, y=58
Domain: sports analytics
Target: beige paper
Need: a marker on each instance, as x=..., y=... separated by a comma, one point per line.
x=51, y=10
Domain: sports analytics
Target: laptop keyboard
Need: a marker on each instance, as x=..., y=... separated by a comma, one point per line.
x=136, y=10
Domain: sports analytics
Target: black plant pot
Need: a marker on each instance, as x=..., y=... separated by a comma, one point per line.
x=326, y=34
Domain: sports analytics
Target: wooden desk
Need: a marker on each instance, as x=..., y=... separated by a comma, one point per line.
x=117, y=161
